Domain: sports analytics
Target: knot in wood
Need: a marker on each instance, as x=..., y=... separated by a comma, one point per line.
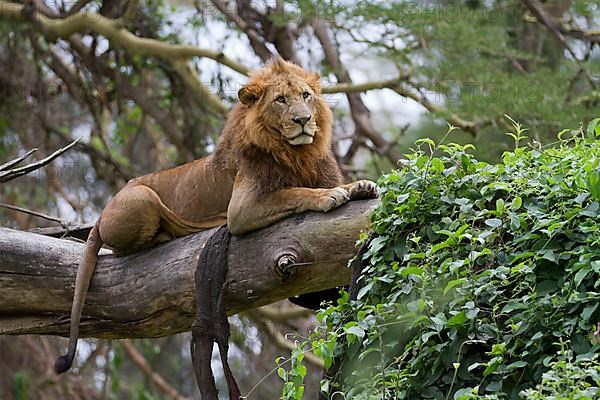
x=284, y=267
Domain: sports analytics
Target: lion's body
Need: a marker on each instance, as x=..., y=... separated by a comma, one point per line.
x=273, y=160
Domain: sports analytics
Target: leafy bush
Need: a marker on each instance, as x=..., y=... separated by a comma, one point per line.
x=568, y=378
x=475, y=273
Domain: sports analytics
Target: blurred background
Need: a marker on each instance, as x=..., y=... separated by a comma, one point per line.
x=393, y=72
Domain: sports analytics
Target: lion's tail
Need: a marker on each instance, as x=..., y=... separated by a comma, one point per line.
x=87, y=265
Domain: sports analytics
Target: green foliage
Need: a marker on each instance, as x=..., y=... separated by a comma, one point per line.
x=114, y=368
x=293, y=386
x=475, y=273
x=569, y=378
x=21, y=383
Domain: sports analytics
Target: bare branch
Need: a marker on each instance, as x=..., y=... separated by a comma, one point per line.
x=592, y=36
x=412, y=93
x=282, y=315
x=360, y=113
x=11, y=174
x=17, y=161
x=203, y=93
x=79, y=232
x=364, y=87
x=537, y=9
x=139, y=94
x=558, y=29
x=34, y=213
x=256, y=41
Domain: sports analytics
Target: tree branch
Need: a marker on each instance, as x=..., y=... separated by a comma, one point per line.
x=139, y=360
x=114, y=31
x=255, y=39
x=199, y=89
x=412, y=93
x=17, y=160
x=363, y=87
x=536, y=7
x=152, y=293
x=280, y=340
x=592, y=36
x=10, y=174
x=359, y=111
x=545, y=18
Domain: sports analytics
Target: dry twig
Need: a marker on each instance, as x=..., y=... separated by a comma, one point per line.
x=7, y=174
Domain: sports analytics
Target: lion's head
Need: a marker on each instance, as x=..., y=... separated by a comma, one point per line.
x=284, y=102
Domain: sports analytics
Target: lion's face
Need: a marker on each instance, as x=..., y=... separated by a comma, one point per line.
x=290, y=110
x=286, y=100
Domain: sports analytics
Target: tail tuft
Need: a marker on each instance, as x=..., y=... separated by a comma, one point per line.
x=63, y=364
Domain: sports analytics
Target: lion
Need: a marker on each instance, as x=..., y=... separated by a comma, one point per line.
x=274, y=159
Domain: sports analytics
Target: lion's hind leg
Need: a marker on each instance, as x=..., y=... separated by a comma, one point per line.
x=132, y=219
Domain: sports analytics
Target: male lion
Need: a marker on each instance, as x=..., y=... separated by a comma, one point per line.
x=274, y=159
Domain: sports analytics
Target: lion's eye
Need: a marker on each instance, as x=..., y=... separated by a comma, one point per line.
x=305, y=95
x=280, y=99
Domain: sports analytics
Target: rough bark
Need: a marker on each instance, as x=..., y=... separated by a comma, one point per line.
x=151, y=293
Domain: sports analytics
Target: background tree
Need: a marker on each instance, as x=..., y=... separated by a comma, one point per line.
x=147, y=85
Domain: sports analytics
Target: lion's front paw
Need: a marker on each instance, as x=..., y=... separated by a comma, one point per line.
x=332, y=198
x=363, y=189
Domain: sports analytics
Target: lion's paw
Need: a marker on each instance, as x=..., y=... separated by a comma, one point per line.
x=363, y=189
x=333, y=198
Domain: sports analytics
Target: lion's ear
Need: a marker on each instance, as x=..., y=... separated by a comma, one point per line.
x=314, y=81
x=249, y=94
x=278, y=63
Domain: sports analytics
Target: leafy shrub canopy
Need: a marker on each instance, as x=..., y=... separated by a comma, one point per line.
x=477, y=276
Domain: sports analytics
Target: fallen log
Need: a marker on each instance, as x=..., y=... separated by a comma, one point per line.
x=151, y=293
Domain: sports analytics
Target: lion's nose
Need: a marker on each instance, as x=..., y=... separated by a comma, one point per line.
x=301, y=120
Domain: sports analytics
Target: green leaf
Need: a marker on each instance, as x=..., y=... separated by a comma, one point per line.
x=550, y=256
x=493, y=222
x=588, y=311
x=593, y=185
x=515, y=222
x=458, y=320
x=516, y=203
x=453, y=283
x=437, y=165
x=473, y=366
x=498, y=349
x=581, y=275
x=516, y=365
x=412, y=271
x=499, y=207
x=439, y=322
x=364, y=290
x=402, y=197
x=428, y=141
x=593, y=128
x=356, y=331
x=581, y=197
x=492, y=365
x=282, y=373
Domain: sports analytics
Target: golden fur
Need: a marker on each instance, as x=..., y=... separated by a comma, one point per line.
x=274, y=159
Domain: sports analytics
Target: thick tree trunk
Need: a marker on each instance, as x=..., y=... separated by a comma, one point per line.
x=151, y=293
